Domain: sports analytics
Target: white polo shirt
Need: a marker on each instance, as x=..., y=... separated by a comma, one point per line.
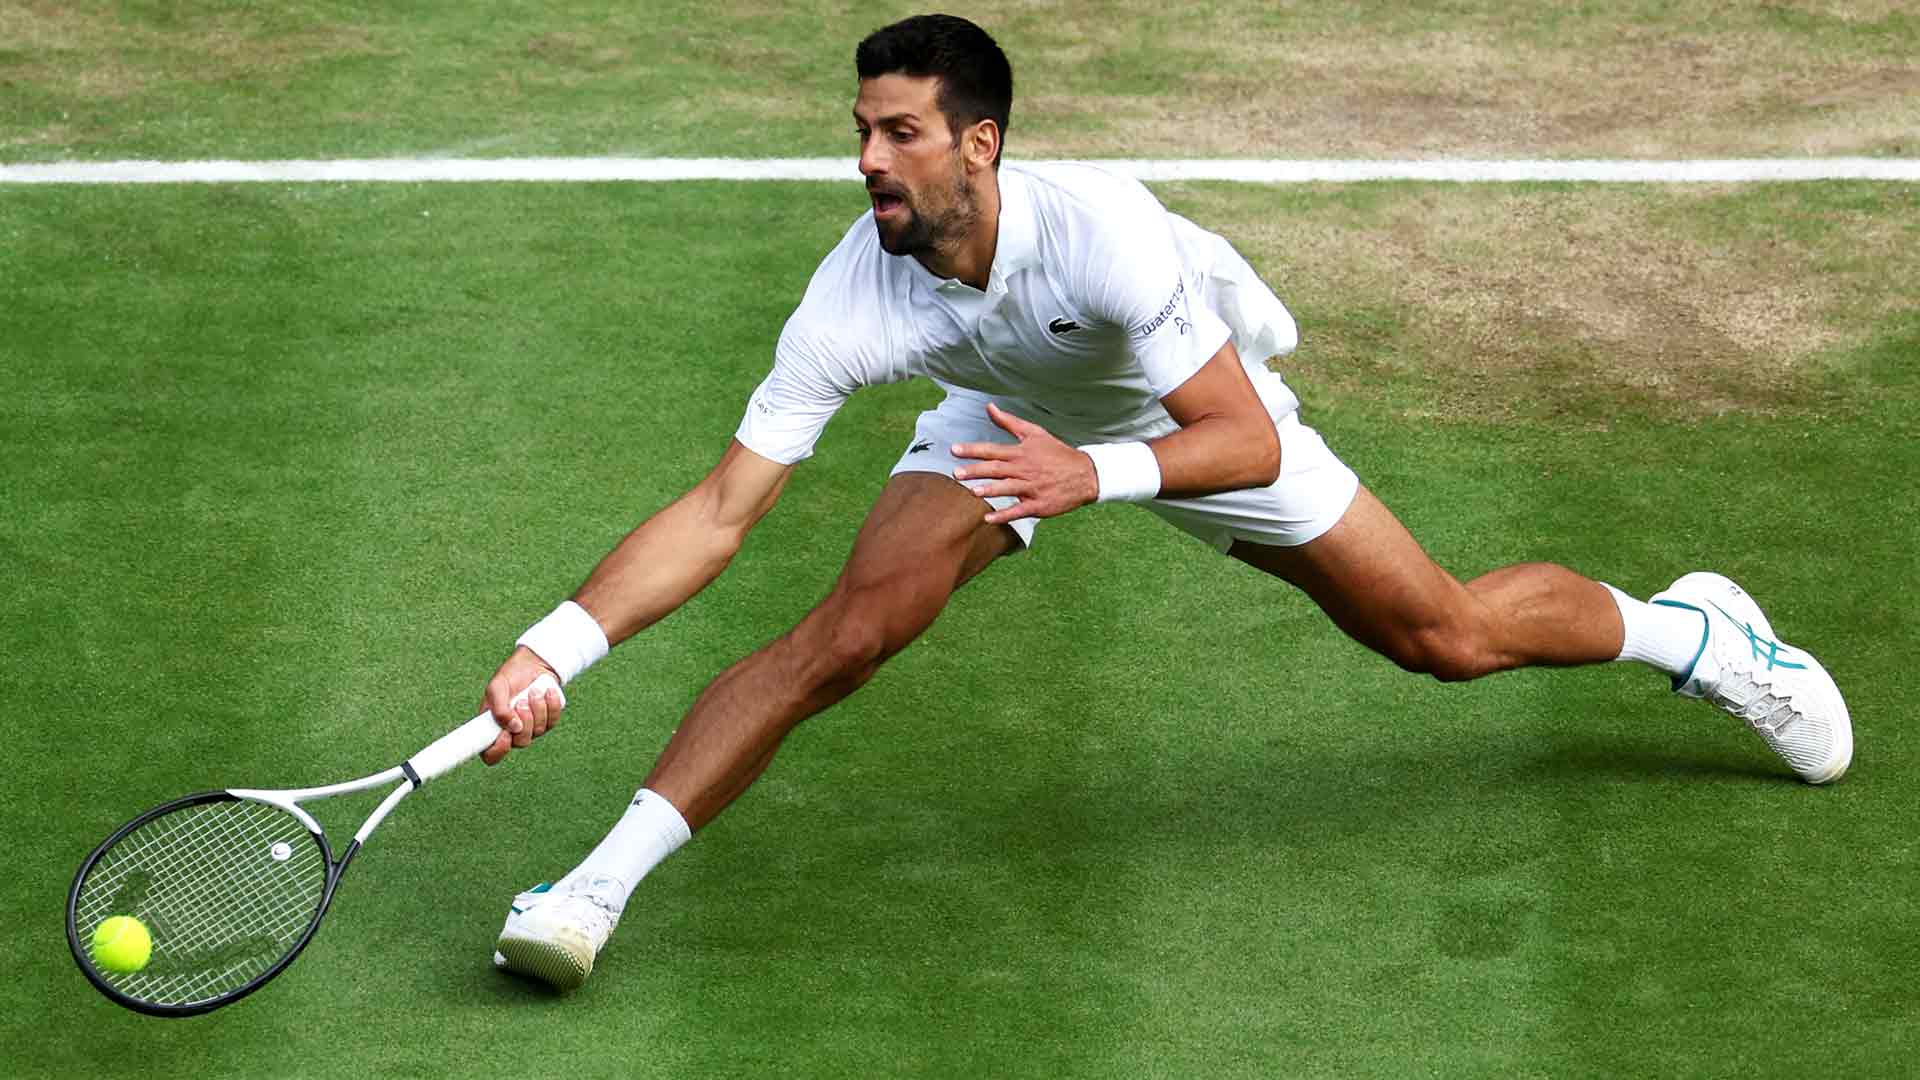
x=1099, y=303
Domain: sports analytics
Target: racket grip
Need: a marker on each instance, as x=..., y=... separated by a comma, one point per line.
x=469, y=739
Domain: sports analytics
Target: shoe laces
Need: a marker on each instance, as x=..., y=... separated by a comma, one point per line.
x=596, y=891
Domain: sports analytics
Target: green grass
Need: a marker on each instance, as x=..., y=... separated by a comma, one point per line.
x=288, y=467
x=101, y=79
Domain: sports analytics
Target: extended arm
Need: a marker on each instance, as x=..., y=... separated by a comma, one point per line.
x=660, y=565
x=678, y=551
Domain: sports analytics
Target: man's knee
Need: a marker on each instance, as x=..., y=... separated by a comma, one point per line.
x=1449, y=653
x=856, y=646
x=848, y=637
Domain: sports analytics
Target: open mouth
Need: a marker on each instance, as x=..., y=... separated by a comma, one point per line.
x=886, y=204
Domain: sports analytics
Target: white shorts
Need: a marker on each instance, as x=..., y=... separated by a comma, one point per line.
x=1312, y=494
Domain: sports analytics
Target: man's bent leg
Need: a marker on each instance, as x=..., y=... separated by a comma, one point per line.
x=1379, y=586
x=923, y=539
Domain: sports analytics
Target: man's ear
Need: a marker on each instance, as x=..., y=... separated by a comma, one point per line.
x=981, y=144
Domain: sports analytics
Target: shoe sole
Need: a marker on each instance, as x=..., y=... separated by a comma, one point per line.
x=543, y=960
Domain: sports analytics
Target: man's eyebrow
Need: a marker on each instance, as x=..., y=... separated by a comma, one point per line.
x=890, y=118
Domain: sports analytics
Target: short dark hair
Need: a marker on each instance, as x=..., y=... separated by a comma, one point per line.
x=976, y=82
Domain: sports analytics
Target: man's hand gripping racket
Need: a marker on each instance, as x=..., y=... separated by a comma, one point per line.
x=232, y=884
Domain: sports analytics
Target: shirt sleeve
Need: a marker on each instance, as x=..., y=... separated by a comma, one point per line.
x=792, y=405
x=838, y=340
x=1137, y=281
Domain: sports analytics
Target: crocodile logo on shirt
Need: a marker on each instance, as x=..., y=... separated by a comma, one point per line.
x=920, y=446
x=1062, y=326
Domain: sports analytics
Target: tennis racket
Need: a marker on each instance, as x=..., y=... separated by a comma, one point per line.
x=232, y=884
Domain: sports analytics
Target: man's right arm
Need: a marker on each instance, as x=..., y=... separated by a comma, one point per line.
x=678, y=551
x=660, y=565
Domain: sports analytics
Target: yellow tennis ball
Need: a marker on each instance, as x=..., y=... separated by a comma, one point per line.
x=122, y=945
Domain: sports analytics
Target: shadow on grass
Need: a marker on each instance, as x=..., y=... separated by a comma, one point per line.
x=521, y=989
x=1392, y=782
x=1635, y=763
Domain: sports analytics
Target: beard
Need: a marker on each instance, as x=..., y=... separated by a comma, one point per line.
x=920, y=231
x=909, y=235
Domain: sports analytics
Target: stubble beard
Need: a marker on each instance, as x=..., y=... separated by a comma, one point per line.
x=937, y=228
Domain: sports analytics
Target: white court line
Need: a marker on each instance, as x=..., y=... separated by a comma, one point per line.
x=576, y=170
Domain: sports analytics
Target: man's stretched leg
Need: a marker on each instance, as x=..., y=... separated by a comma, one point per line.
x=1375, y=581
x=923, y=539
x=1377, y=584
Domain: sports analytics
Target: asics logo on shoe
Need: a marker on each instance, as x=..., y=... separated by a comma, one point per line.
x=1772, y=653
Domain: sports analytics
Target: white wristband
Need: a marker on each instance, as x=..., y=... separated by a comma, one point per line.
x=569, y=640
x=1128, y=471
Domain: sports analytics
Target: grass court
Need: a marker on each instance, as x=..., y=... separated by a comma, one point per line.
x=289, y=466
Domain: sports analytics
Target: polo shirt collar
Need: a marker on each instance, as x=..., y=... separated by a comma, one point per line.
x=1017, y=245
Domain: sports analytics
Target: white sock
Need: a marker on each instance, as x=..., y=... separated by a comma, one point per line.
x=1668, y=638
x=647, y=833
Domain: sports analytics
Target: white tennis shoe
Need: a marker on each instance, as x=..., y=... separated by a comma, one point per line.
x=553, y=934
x=1781, y=692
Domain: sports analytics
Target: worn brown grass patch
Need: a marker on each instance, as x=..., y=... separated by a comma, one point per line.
x=1491, y=81
x=89, y=53
x=1094, y=77
x=1572, y=301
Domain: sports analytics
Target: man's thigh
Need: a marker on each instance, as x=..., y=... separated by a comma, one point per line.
x=924, y=538
x=1369, y=575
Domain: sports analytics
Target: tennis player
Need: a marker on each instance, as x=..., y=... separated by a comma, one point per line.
x=1093, y=348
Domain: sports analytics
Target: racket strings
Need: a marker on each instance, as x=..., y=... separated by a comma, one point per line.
x=221, y=908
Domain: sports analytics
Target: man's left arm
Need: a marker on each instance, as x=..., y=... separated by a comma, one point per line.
x=1226, y=442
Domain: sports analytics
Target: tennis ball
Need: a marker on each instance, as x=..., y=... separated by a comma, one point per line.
x=122, y=945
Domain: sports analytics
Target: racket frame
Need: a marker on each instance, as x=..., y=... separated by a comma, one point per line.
x=439, y=757
x=288, y=800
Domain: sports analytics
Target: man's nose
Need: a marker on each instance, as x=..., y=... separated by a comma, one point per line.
x=874, y=159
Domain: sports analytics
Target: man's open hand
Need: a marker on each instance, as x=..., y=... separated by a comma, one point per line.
x=1046, y=475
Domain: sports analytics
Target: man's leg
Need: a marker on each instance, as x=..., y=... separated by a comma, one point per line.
x=1373, y=579
x=922, y=540
x=1377, y=584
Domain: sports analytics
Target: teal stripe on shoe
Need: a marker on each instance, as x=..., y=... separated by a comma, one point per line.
x=1705, y=629
x=1755, y=640
x=540, y=888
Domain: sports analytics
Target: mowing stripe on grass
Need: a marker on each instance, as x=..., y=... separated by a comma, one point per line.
x=564, y=170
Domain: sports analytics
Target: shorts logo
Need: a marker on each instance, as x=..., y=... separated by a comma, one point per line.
x=1062, y=326
x=1155, y=323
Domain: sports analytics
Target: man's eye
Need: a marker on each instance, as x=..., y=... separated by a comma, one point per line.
x=900, y=136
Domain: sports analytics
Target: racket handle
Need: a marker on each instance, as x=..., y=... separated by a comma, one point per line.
x=469, y=739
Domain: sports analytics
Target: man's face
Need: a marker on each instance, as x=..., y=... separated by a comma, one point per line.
x=915, y=173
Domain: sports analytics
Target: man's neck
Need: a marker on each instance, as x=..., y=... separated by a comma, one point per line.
x=970, y=258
